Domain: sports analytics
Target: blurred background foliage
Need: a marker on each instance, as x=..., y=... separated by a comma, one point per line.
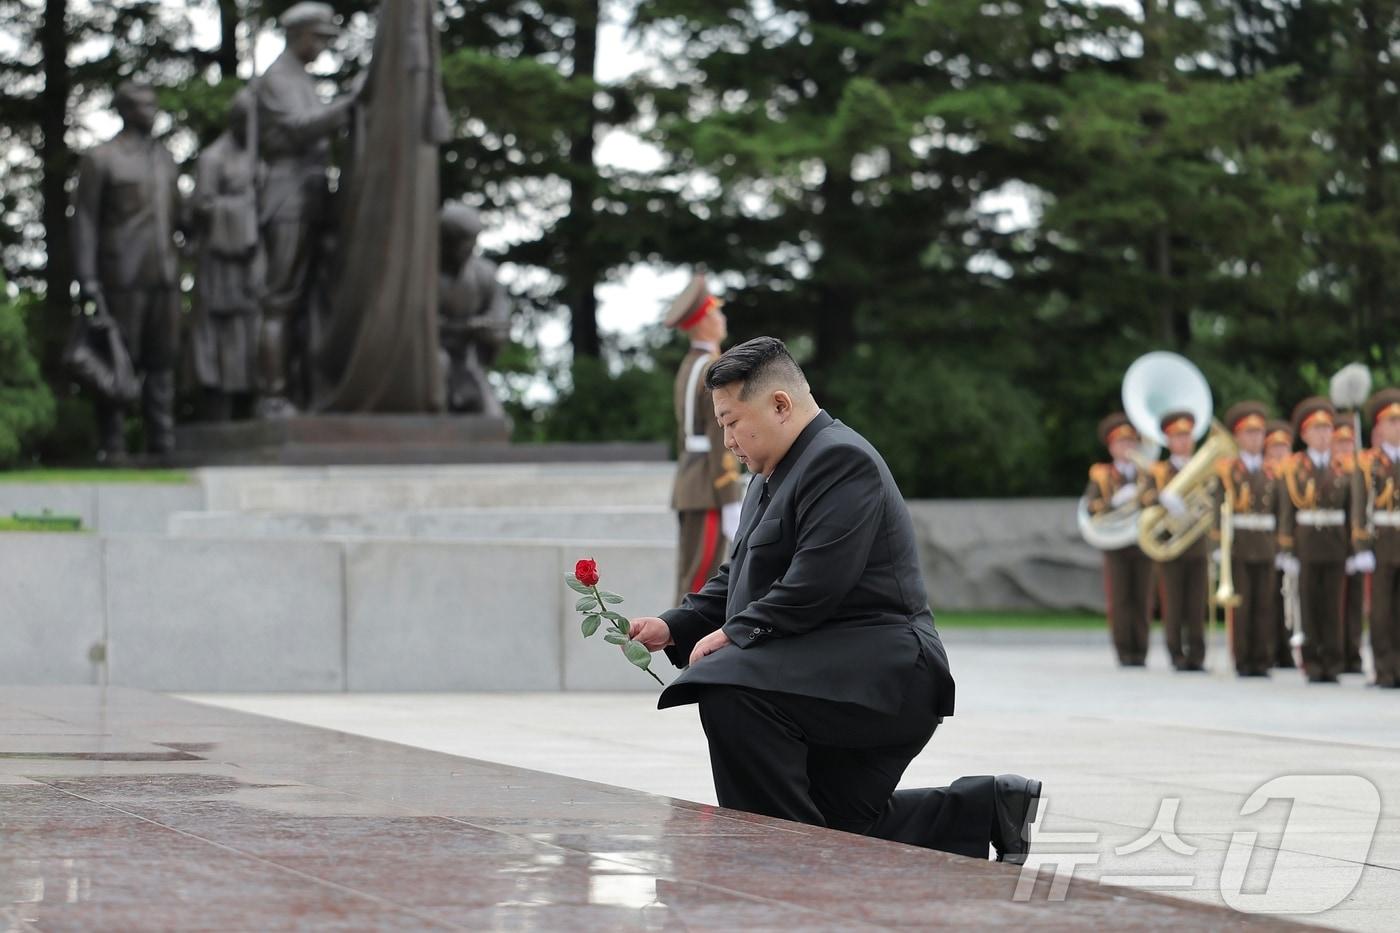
x=966, y=216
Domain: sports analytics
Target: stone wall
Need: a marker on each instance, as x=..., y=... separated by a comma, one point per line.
x=426, y=579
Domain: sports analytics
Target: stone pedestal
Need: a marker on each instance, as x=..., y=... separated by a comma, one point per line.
x=328, y=440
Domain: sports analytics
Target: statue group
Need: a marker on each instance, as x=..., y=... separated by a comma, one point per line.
x=369, y=299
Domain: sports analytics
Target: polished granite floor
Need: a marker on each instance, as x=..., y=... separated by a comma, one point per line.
x=125, y=810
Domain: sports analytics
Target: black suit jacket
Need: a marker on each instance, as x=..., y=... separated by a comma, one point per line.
x=822, y=594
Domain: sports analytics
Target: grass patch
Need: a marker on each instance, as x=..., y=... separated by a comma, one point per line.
x=94, y=476
x=1036, y=620
x=68, y=523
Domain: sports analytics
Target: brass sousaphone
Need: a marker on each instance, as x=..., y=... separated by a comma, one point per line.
x=1156, y=384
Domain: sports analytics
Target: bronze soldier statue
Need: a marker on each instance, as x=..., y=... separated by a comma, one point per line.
x=1278, y=447
x=707, y=490
x=125, y=211
x=1184, y=579
x=1316, y=533
x=1128, y=573
x=473, y=316
x=229, y=268
x=294, y=130
x=1378, y=496
x=1254, y=496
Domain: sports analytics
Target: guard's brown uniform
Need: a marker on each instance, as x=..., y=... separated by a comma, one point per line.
x=1314, y=525
x=707, y=477
x=1127, y=572
x=1378, y=487
x=1184, y=584
x=1254, y=497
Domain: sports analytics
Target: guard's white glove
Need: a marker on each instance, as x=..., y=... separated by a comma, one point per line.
x=1124, y=496
x=729, y=519
x=1215, y=556
x=1173, y=504
x=1351, y=565
x=1363, y=562
x=1288, y=564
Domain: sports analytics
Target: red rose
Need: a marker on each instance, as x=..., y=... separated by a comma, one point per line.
x=586, y=572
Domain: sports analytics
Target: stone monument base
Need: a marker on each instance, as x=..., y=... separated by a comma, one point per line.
x=351, y=440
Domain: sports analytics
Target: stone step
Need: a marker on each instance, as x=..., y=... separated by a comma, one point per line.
x=623, y=523
x=368, y=490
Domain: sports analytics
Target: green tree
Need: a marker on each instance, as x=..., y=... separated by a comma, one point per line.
x=26, y=404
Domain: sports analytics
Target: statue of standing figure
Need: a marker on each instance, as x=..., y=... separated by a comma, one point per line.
x=230, y=268
x=474, y=316
x=294, y=127
x=125, y=214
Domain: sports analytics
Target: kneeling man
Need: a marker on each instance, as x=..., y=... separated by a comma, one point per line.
x=812, y=652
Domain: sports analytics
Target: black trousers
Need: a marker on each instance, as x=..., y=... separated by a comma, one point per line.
x=1256, y=617
x=1184, y=606
x=1320, y=595
x=1128, y=580
x=837, y=764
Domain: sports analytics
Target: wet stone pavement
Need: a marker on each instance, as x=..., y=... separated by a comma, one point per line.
x=126, y=810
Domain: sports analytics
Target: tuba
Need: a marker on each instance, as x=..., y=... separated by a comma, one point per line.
x=1117, y=528
x=1154, y=385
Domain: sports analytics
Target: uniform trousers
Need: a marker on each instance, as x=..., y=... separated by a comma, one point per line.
x=1320, y=599
x=1385, y=623
x=1184, y=583
x=1128, y=582
x=834, y=764
x=1255, y=618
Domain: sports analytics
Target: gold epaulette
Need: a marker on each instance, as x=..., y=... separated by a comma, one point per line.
x=1290, y=479
x=731, y=472
x=1100, y=473
x=1159, y=472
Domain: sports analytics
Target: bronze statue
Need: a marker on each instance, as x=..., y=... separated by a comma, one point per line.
x=294, y=128
x=127, y=263
x=229, y=268
x=473, y=317
x=380, y=348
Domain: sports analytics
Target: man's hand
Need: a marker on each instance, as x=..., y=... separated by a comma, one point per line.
x=652, y=632
x=1124, y=495
x=710, y=644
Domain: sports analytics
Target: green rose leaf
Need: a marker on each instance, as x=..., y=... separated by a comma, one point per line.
x=573, y=584
x=637, y=653
x=612, y=598
x=586, y=604
x=614, y=638
x=591, y=623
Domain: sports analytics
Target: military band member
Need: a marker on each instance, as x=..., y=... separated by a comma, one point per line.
x=1344, y=445
x=1185, y=579
x=1316, y=535
x=1278, y=447
x=1378, y=480
x=707, y=490
x=1254, y=498
x=1127, y=571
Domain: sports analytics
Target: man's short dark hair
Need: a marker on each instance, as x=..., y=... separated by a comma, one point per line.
x=757, y=364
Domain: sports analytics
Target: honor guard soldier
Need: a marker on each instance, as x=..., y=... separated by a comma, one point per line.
x=1316, y=535
x=707, y=490
x=1378, y=479
x=1185, y=579
x=1278, y=447
x=1253, y=494
x=1114, y=486
x=1344, y=446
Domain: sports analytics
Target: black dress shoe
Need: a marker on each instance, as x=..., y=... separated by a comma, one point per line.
x=1017, y=801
